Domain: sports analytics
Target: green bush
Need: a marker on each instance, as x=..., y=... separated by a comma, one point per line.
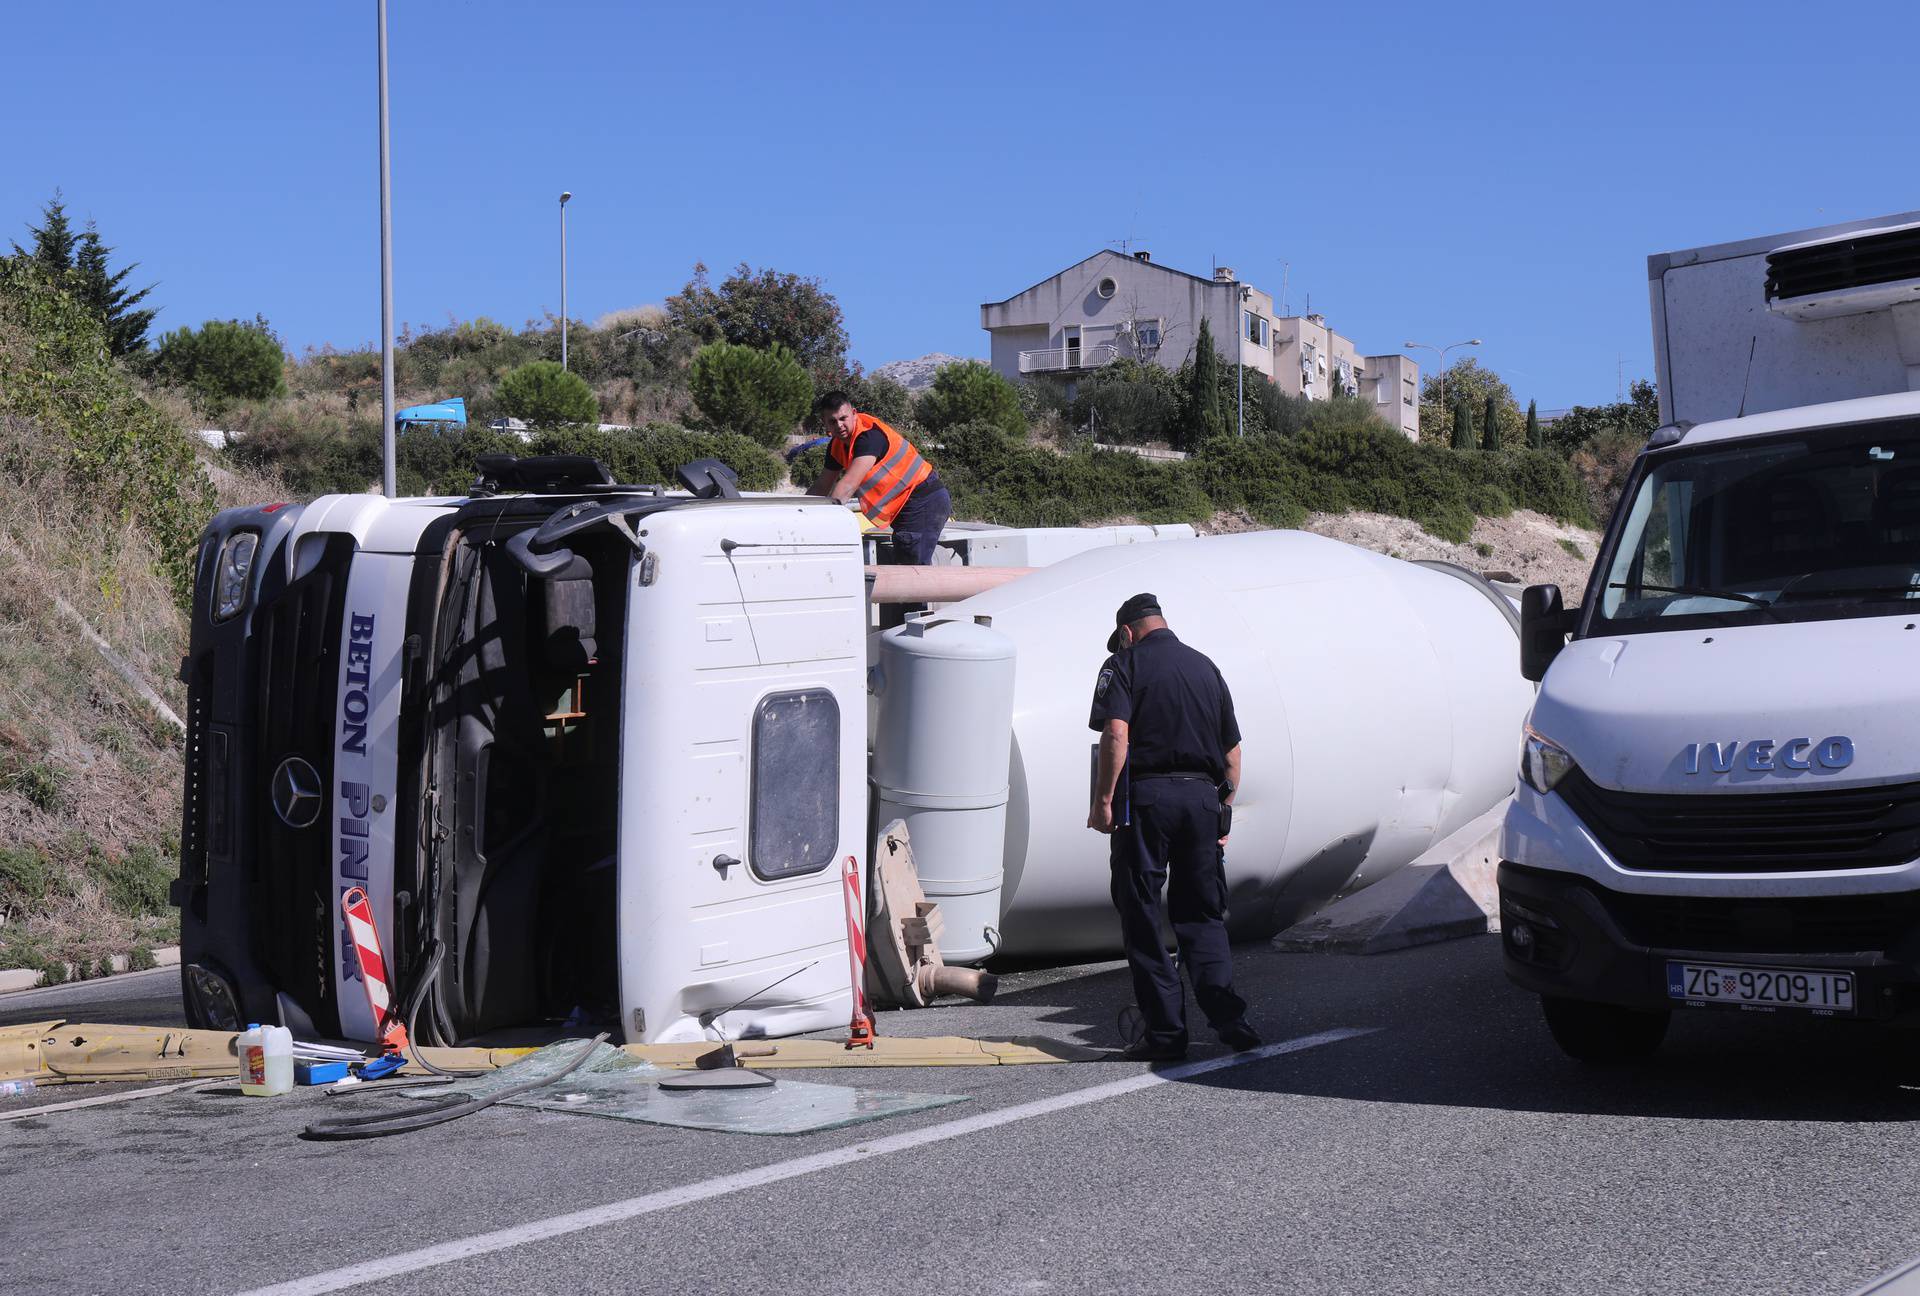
x=1127, y=403
x=136, y=883
x=26, y=879
x=223, y=361
x=546, y=396
x=998, y=479
x=128, y=460
x=761, y=394
x=881, y=397
x=971, y=392
x=41, y=782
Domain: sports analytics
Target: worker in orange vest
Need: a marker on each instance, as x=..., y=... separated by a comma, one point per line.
x=894, y=485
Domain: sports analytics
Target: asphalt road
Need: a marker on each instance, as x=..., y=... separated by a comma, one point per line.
x=1450, y=1148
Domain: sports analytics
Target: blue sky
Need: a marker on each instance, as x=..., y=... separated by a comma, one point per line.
x=1427, y=172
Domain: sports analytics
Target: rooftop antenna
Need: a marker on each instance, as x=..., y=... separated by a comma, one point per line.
x=1286, y=271
x=1620, y=376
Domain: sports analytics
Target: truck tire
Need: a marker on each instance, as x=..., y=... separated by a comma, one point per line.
x=1603, y=1033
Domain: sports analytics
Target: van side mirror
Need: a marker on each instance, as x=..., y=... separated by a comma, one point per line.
x=1545, y=623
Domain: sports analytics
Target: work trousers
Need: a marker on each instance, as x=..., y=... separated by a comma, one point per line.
x=1172, y=839
x=916, y=531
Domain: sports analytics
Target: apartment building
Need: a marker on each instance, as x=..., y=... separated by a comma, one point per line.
x=1114, y=305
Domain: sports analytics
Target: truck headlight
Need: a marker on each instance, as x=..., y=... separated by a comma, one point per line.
x=233, y=574
x=1543, y=763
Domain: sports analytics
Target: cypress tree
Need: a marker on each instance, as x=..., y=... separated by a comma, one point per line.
x=1462, y=425
x=1490, y=429
x=1203, y=390
x=1536, y=439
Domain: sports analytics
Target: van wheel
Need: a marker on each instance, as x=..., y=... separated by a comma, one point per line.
x=1603, y=1033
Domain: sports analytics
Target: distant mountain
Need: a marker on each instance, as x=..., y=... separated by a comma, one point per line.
x=917, y=375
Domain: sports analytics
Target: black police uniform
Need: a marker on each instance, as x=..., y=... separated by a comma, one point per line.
x=1180, y=727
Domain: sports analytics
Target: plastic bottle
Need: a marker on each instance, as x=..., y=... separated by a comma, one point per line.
x=266, y=1060
x=15, y=1088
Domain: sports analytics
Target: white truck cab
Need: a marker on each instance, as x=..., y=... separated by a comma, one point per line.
x=1719, y=795
x=472, y=708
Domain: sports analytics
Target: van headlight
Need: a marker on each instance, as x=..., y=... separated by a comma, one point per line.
x=1543, y=763
x=233, y=574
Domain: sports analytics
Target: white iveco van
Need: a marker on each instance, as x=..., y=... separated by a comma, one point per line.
x=1719, y=794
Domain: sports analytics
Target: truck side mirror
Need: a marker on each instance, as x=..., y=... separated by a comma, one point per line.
x=1545, y=622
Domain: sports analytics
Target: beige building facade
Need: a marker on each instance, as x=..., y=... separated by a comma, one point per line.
x=1116, y=305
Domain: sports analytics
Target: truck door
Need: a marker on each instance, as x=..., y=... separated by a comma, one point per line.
x=743, y=776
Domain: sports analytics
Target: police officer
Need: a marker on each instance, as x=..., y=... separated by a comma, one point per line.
x=1169, y=764
x=895, y=486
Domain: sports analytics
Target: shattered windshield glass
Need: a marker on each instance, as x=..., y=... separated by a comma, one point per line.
x=1809, y=526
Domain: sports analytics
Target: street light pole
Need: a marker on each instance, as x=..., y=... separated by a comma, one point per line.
x=563, y=277
x=1428, y=346
x=386, y=276
x=1240, y=369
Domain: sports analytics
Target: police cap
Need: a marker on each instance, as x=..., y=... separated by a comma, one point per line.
x=1134, y=609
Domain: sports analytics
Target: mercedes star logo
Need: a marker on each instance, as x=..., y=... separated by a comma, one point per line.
x=296, y=793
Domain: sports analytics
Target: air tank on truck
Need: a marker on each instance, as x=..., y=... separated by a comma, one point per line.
x=1719, y=798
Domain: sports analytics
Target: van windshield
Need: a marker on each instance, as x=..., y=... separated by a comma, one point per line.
x=1812, y=525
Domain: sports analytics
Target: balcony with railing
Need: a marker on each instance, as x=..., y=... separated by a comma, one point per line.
x=1069, y=359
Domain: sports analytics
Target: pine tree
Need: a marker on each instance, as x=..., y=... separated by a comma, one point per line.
x=103, y=292
x=1204, y=419
x=78, y=263
x=1462, y=425
x=53, y=241
x=1536, y=439
x=1490, y=429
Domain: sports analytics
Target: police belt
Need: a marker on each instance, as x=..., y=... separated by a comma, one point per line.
x=1202, y=775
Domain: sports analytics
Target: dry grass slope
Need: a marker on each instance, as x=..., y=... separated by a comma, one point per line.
x=90, y=769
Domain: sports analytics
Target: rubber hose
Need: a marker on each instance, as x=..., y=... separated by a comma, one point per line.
x=381, y=1126
x=420, y=991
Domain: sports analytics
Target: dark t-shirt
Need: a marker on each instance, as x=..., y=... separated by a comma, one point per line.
x=1178, y=710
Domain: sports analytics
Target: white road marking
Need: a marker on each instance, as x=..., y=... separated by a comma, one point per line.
x=480, y=1244
x=1904, y=1281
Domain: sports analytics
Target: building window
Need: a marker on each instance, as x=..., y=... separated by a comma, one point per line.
x=1256, y=329
x=1148, y=333
x=795, y=822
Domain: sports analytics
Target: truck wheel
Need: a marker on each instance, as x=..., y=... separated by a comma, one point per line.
x=1603, y=1033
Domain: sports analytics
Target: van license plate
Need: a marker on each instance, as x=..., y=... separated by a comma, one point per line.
x=1762, y=987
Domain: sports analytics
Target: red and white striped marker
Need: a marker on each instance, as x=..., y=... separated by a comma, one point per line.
x=373, y=967
x=860, y=1029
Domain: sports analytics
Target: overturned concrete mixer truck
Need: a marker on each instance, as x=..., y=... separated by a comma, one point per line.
x=602, y=752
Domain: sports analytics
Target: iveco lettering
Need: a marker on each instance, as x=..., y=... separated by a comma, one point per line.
x=1762, y=754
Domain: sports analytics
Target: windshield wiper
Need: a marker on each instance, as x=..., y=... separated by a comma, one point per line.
x=1698, y=591
x=1852, y=591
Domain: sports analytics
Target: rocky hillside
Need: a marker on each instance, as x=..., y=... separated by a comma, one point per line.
x=917, y=375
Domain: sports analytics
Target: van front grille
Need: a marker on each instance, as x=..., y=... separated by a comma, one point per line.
x=1766, y=832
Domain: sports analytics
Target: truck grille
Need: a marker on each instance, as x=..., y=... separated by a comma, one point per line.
x=1797, y=925
x=1768, y=832
x=1886, y=257
x=297, y=638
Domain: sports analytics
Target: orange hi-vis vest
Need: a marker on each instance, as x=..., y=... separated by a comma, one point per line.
x=884, y=492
